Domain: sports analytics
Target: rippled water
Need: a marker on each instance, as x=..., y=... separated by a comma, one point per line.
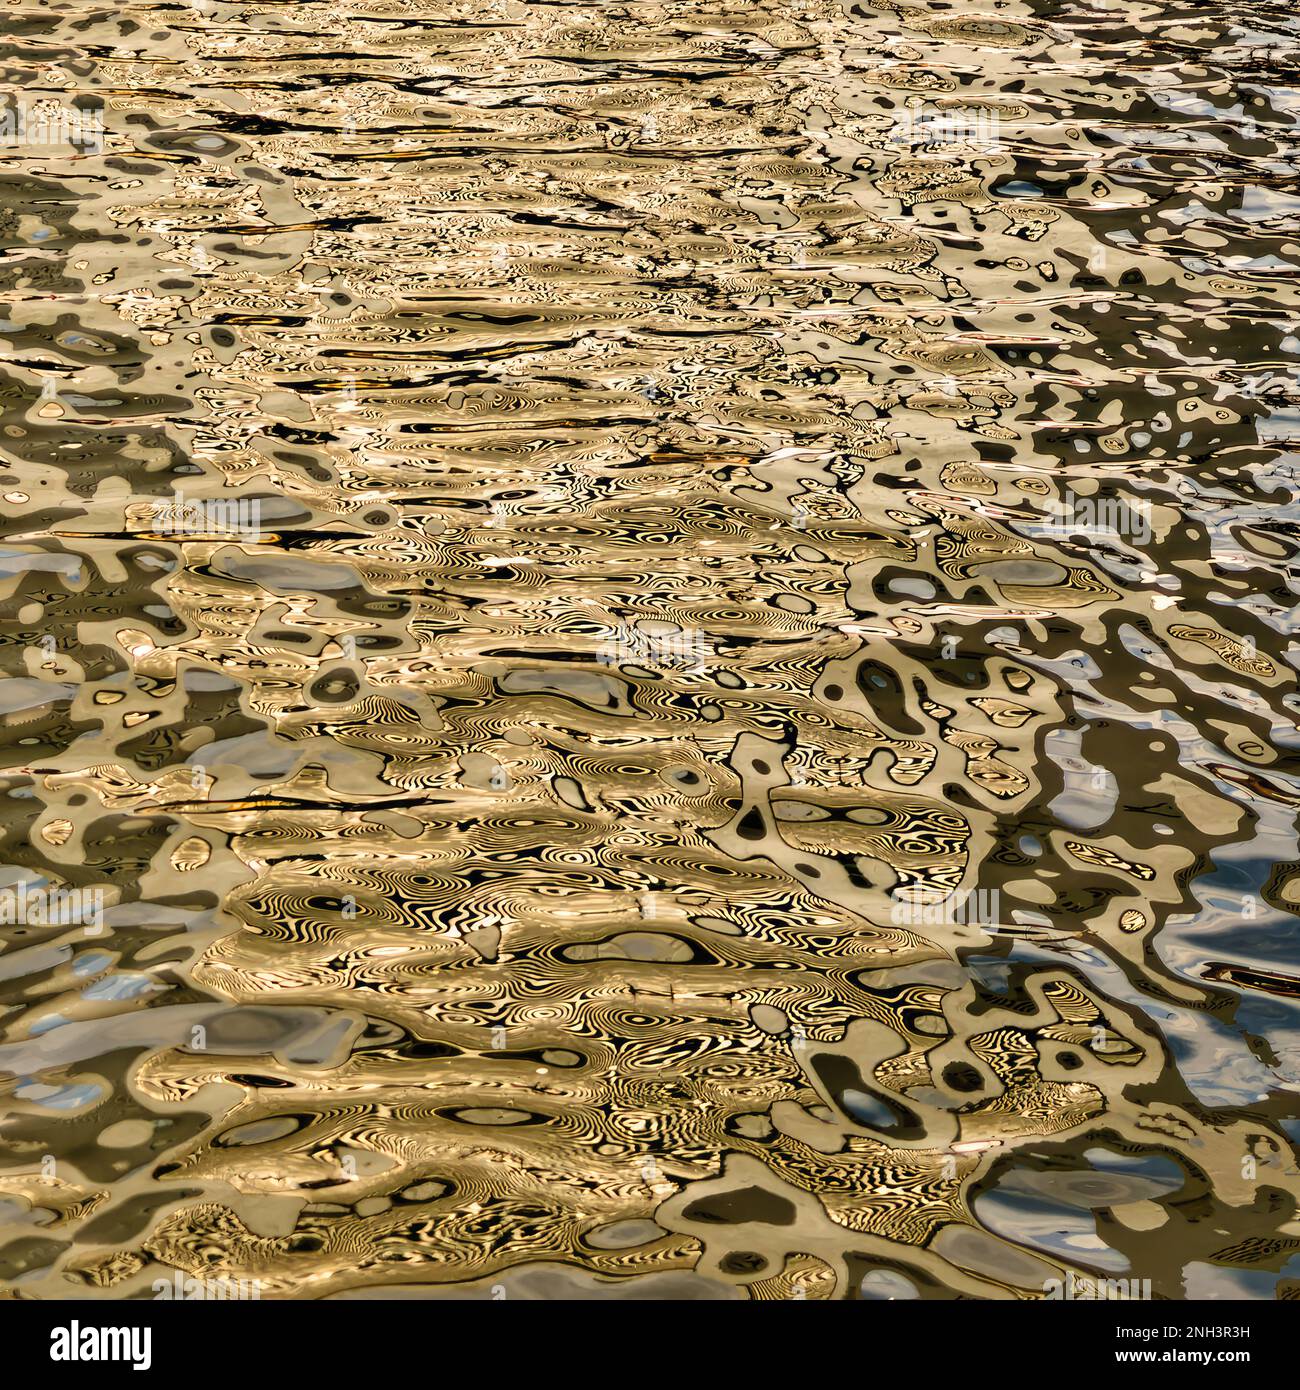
x=660, y=641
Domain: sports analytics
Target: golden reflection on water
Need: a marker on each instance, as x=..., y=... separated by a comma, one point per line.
x=657, y=643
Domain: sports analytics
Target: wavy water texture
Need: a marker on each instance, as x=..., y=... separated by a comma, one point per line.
x=665, y=633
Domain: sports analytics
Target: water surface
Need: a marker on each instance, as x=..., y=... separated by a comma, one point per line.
x=665, y=632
